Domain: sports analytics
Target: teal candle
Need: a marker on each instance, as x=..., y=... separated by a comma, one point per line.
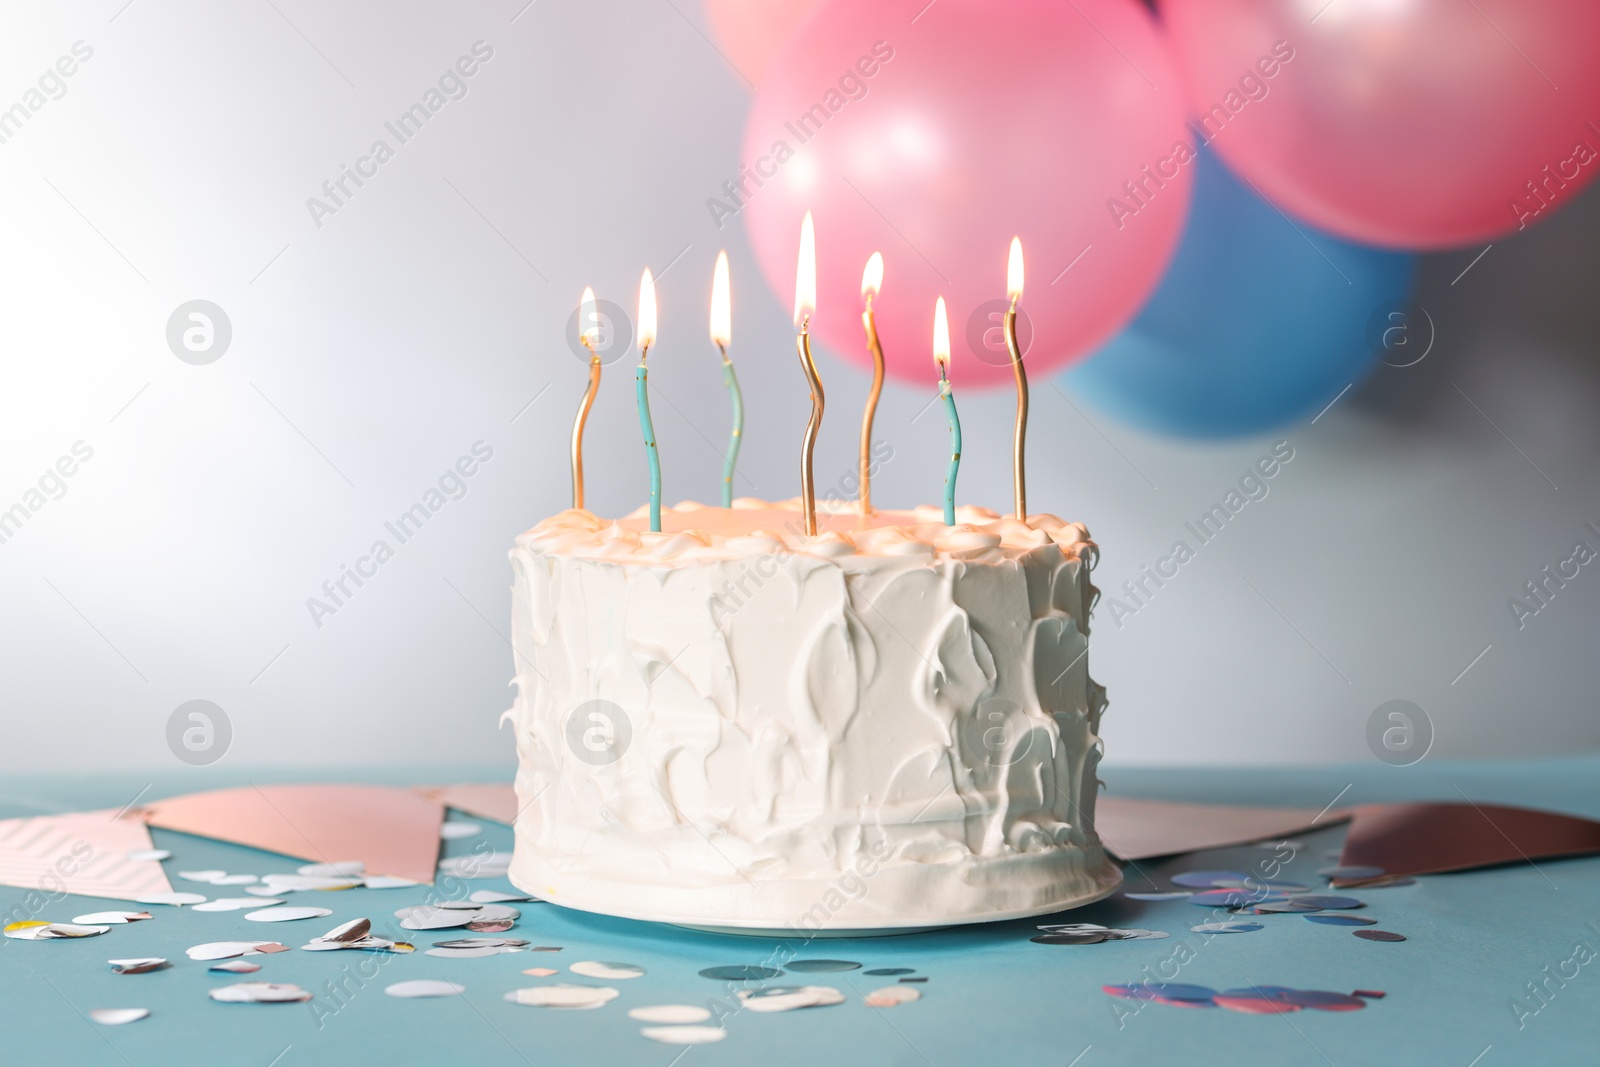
x=941, y=358
x=955, y=451
x=731, y=380
x=722, y=337
x=641, y=380
x=641, y=392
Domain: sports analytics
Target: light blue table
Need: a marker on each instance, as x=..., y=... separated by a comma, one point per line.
x=992, y=997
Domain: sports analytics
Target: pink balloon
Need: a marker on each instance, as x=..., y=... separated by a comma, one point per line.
x=1416, y=124
x=935, y=137
x=750, y=32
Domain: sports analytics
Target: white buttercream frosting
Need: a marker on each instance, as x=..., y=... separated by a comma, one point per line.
x=728, y=722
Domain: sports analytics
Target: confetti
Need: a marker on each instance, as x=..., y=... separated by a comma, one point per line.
x=463, y=953
x=669, y=1014
x=259, y=993
x=890, y=996
x=1166, y=991
x=222, y=950
x=740, y=972
x=118, y=1016
x=607, y=971
x=790, y=998
x=36, y=930
x=1322, y=1000
x=146, y=855
x=1227, y=928
x=1181, y=894
x=236, y=967
x=1252, y=1003
x=563, y=996
x=454, y=831
x=1379, y=935
x=821, y=966
x=137, y=966
x=1339, y=920
x=96, y=918
x=354, y=930
x=1207, y=879
x=1234, y=898
x=684, y=1035
x=236, y=903
x=1328, y=903
x=424, y=987
x=885, y=972
x=207, y=877
x=286, y=914
x=177, y=900
x=482, y=942
x=541, y=972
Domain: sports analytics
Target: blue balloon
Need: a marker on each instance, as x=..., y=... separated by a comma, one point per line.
x=1258, y=321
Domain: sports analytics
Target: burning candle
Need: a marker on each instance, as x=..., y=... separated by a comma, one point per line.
x=805, y=304
x=941, y=356
x=1018, y=448
x=641, y=379
x=871, y=282
x=722, y=337
x=588, y=332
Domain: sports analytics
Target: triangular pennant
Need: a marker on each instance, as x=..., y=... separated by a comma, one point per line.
x=84, y=853
x=393, y=831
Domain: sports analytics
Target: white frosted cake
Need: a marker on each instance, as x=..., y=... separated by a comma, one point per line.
x=731, y=724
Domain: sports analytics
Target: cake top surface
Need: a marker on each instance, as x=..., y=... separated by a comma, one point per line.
x=752, y=527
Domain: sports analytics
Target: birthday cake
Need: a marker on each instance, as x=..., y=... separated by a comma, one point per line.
x=727, y=723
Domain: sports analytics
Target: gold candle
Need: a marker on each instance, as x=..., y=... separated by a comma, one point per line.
x=805, y=303
x=588, y=331
x=1019, y=480
x=871, y=282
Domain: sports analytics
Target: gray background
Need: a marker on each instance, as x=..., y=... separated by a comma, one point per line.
x=428, y=314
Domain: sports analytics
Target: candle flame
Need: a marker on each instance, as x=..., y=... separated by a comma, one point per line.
x=1014, y=271
x=872, y=277
x=941, y=336
x=588, y=320
x=647, y=312
x=805, y=278
x=721, y=305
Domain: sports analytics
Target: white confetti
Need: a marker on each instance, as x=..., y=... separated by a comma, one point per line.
x=236, y=903
x=259, y=993
x=137, y=966
x=684, y=1035
x=113, y=917
x=177, y=900
x=790, y=998
x=669, y=1013
x=284, y=914
x=610, y=972
x=424, y=987
x=118, y=1016
x=889, y=996
x=563, y=996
